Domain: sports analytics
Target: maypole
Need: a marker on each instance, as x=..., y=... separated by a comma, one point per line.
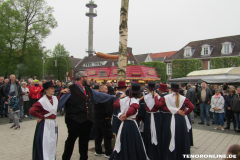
x=123, y=31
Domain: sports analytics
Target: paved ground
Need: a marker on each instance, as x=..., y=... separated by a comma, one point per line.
x=17, y=145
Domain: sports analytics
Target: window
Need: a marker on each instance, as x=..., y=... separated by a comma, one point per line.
x=188, y=51
x=227, y=48
x=129, y=62
x=206, y=50
x=169, y=69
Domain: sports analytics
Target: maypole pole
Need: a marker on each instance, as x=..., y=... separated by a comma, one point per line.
x=123, y=32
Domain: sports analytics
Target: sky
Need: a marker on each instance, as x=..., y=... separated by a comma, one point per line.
x=154, y=26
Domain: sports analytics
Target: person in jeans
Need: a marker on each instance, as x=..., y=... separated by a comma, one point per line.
x=229, y=112
x=25, y=91
x=236, y=108
x=11, y=86
x=204, y=98
x=191, y=95
x=217, y=107
x=3, y=100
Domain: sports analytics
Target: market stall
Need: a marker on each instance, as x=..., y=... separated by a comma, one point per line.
x=141, y=74
x=216, y=76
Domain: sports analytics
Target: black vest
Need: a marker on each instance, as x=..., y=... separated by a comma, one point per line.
x=79, y=107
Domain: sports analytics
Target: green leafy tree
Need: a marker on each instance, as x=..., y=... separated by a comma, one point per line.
x=224, y=62
x=36, y=19
x=160, y=68
x=61, y=55
x=181, y=67
x=10, y=33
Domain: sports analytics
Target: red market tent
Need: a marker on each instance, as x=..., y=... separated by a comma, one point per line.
x=135, y=73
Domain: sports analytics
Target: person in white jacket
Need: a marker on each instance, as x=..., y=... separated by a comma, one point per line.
x=25, y=96
x=217, y=107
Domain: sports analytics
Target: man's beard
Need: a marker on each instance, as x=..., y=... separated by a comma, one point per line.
x=84, y=83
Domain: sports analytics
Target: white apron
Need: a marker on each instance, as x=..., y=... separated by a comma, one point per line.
x=124, y=106
x=170, y=102
x=50, y=129
x=150, y=102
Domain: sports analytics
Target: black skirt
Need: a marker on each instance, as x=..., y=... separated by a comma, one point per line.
x=132, y=147
x=37, y=153
x=154, y=152
x=182, y=141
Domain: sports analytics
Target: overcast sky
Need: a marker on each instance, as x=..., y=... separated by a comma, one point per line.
x=154, y=25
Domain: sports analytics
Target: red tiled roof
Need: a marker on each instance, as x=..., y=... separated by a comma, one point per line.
x=163, y=54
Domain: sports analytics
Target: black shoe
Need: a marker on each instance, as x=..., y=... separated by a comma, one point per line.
x=20, y=120
x=18, y=127
x=208, y=124
x=227, y=128
x=6, y=116
x=237, y=131
x=12, y=126
x=213, y=122
x=10, y=121
x=200, y=123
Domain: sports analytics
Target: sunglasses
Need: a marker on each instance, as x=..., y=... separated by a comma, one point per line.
x=84, y=76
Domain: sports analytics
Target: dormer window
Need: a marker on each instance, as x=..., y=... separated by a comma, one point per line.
x=188, y=51
x=206, y=50
x=227, y=48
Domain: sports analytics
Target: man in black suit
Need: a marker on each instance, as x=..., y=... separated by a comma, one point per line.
x=103, y=115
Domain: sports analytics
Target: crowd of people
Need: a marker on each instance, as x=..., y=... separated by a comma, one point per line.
x=136, y=121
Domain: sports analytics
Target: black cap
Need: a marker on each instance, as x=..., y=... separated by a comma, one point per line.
x=175, y=86
x=151, y=85
x=47, y=85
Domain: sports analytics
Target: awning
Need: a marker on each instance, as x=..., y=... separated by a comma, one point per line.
x=207, y=79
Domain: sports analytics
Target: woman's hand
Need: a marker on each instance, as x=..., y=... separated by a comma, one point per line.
x=39, y=120
x=229, y=108
x=180, y=112
x=122, y=96
x=123, y=117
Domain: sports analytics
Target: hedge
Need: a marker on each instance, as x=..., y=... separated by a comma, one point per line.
x=181, y=67
x=224, y=62
x=160, y=68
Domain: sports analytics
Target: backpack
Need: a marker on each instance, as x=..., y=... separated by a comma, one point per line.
x=14, y=103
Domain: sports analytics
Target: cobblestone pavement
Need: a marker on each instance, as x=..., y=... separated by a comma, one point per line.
x=17, y=144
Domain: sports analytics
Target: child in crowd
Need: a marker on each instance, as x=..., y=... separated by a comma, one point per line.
x=233, y=150
x=14, y=109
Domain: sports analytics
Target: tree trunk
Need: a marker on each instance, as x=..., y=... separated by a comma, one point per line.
x=123, y=31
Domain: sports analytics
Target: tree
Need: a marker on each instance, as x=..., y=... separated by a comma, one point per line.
x=224, y=62
x=10, y=33
x=123, y=31
x=160, y=68
x=181, y=67
x=62, y=56
x=37, y=20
